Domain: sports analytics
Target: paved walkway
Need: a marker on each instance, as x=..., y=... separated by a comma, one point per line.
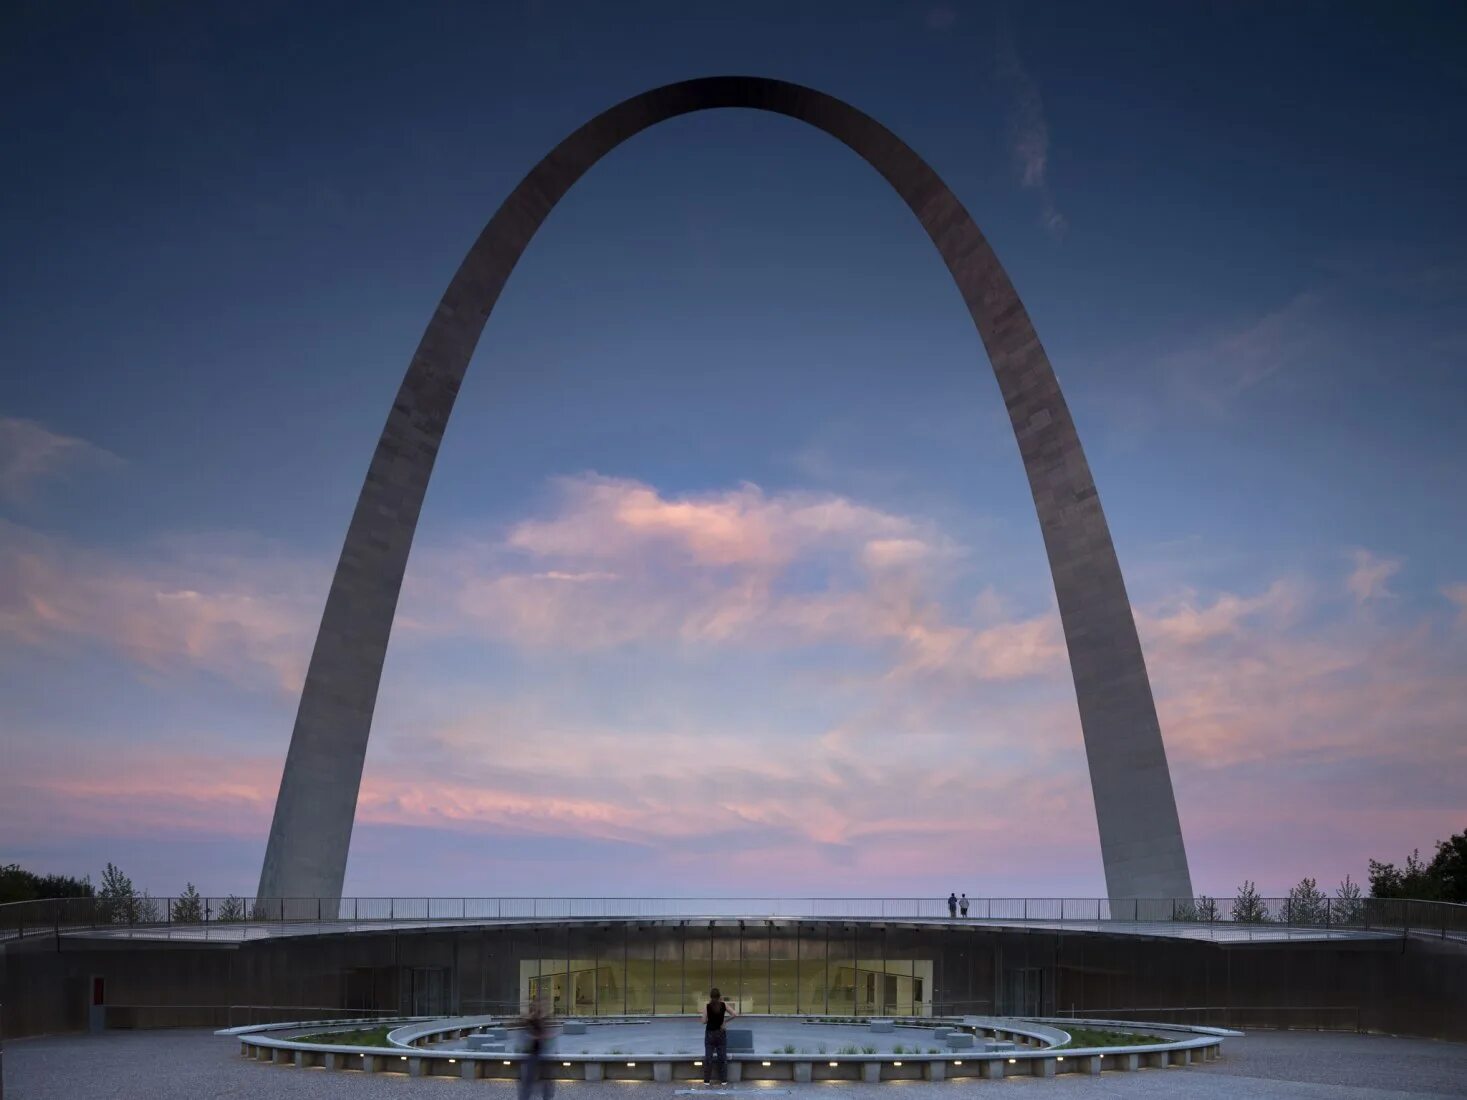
x=193, y=1065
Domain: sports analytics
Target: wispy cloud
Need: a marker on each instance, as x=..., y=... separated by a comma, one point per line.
x=1028, y=131
x=938, y=722
x=1213, y=372
x=31, y=453
x=1368, y=578
x=1457, y=594
x=242, y=614
x=940, y=18
x=737, y=567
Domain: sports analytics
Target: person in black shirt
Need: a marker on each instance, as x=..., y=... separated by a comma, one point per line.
x=952, y=905
x=716, y=1015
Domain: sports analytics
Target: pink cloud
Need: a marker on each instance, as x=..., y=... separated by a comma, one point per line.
x=1306, y=733
x=713, y=569
x=239, y=617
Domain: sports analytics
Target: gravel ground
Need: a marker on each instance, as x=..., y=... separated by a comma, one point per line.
x=191, y=1065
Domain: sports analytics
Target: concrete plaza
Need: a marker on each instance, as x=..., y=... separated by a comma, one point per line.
x=190, y=1064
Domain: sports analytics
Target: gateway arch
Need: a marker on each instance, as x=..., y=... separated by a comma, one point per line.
x=1140, y=836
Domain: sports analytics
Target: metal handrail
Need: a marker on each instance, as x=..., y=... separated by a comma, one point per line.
x=1407, y=916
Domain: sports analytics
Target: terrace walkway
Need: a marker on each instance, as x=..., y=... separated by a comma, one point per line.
x=186, y=1065
x=244, y=931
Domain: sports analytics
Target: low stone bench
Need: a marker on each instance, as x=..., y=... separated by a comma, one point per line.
x=573, y=1027
x=485, y=1042
x=882, y=1027
x=740, y=1040
x=957, y=1040
x=941, y=1032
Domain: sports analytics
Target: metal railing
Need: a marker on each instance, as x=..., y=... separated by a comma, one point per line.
x=1408, y=917
x=1241, y=1017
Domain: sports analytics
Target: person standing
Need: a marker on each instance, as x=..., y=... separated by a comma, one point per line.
x=716, y=1015
x=537, y=1035
x=963, y=905
x=952, y=905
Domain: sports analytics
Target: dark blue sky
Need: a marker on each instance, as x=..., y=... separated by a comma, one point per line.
x=1238, y=228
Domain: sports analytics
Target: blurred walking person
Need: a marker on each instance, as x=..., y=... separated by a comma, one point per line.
x=537, y=1034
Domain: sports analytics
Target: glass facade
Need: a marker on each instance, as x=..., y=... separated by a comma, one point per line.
x=758, y=966
x=1409, y=985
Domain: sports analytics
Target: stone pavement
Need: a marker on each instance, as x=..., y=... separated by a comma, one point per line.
x=194, y=1065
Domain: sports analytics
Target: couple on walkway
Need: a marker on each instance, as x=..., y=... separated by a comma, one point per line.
x=954, y=903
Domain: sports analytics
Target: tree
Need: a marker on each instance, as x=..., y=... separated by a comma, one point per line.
x=189, y=908
x=1307, y=903
x=145, y=909
x=1386, y=881
x=1201, y=908
x=1443, y=879
x=18, y=884
x=231, y=909
x=117, y=899
x=1248, y=907
x=1347, y=907
x=1449, y=868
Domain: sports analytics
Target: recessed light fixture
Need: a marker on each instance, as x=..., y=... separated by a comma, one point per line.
x=451, y=1061
x=631, y=1063
x=697, y=1063
x=506, y=1061
x=565, y=1063
x=1012, y=1061
x=958, y=1062
x=896, y=1063
x=835, y=1063
x=1062, y=1058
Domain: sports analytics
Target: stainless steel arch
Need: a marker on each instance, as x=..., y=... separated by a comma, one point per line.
x=1140, y=836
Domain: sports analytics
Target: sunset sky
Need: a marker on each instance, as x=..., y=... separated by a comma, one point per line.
x=729, y=580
